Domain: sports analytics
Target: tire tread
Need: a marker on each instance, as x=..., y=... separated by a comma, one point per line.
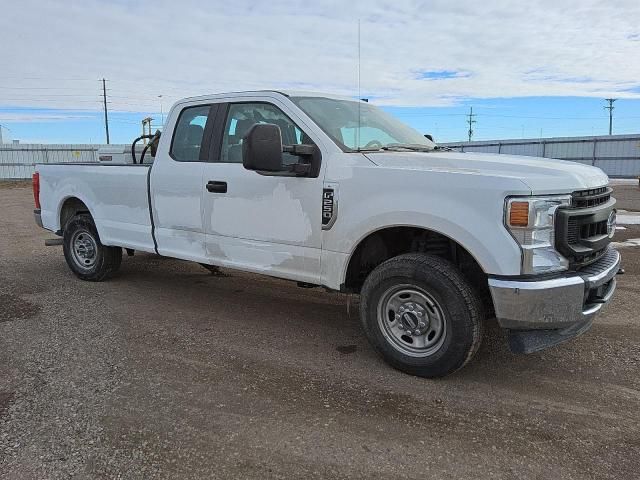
x=111, y=257
x=416, y=265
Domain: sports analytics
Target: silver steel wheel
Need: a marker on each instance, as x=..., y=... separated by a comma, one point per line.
x=412, y=320
x=84, y=249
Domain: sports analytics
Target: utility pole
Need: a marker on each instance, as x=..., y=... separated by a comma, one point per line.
x=106, y=115
x=471, y=121
x=610, y=108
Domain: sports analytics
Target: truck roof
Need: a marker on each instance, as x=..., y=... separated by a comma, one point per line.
x=286, y=93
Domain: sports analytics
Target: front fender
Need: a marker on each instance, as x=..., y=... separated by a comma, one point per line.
x=475, y=225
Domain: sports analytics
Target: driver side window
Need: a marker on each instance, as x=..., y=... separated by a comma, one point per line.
x=242, y=116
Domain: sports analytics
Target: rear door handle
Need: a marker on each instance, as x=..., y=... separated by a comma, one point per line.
x=217, y=187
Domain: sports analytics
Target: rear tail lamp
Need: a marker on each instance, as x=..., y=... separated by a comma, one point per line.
x=36, y=188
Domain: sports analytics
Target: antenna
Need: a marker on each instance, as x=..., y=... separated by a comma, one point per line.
x=106, y=114
x=358, y=131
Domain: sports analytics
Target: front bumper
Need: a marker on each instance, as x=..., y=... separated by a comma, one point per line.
x=562, y=307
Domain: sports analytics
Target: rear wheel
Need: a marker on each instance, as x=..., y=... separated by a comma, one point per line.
x=87, y=258
x=421, y=314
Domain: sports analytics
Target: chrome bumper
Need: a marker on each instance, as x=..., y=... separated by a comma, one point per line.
x=566, y=303
x=38, y=217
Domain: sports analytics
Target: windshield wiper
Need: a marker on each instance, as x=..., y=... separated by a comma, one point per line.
x=399, y=147
x=376, y=149
x=414, y=147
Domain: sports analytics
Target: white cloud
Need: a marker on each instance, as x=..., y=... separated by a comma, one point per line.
x=488, y=49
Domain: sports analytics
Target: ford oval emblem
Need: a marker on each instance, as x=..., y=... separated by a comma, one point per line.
x=611, y=224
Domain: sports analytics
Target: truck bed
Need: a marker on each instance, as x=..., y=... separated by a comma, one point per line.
x=118, y=196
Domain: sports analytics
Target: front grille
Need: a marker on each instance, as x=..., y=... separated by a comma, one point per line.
x=590, y=198
x=581, y=229
x=607, y=260
x=573, y=232
x=593, y=229
x=584, y=259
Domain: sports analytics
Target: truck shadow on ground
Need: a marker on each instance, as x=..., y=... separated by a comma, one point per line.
x=276, y=304
x=183, y=297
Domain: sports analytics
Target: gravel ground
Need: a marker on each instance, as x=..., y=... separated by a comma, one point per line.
x=628, y=196
x=169, y=372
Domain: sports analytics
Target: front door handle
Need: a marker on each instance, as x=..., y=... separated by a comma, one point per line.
x=216, y=187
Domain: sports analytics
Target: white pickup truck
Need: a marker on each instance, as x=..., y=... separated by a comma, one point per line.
x=332, y=192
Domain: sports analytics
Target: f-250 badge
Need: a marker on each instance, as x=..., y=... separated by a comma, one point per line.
x=329, y=205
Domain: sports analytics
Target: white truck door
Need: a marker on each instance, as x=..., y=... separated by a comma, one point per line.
x=176, y=183
x=269, y=224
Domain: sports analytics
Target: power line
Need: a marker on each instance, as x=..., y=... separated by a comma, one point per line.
x=610, y=108
x=492, y=115
x=49, y=95
x=471, y=121
x=4, y=87
x=20, y=77
x=42, y=103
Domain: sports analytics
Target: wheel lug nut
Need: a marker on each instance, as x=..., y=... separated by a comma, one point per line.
x=421, y=325
x=417, y=332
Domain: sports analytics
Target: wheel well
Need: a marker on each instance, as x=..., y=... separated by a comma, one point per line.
x=390, y=242
x=70, y=208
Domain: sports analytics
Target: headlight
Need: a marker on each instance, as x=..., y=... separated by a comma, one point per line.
x=531, y=222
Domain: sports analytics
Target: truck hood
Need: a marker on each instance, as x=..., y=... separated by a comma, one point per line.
x=541, y=175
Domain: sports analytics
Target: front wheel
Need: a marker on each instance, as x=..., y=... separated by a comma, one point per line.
x=87, y=258
x=421, y=314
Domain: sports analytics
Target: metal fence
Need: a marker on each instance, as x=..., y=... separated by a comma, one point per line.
x=616, y=155
x=18, y=160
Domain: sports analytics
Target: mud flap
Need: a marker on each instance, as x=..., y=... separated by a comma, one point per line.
x=530, y=341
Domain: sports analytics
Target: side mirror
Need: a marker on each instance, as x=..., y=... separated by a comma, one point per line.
x=262, y=148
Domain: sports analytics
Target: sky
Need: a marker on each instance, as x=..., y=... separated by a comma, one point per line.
x=535, y=69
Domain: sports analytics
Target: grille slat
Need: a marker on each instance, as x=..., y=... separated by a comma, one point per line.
x=573, y=233
x=579, y=232
x=590, y=198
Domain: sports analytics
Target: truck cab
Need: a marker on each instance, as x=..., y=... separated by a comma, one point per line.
x=332, y=192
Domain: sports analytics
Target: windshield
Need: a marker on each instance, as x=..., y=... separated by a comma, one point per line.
x=375, y=130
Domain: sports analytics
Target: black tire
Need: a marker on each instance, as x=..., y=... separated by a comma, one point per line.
x=81, y=238
x=453, y=312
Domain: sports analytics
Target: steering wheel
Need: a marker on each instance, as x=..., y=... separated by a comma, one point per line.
x=373, y=143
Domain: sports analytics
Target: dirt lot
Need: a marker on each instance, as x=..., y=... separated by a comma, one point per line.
x=627, y=193
x=168, y=372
